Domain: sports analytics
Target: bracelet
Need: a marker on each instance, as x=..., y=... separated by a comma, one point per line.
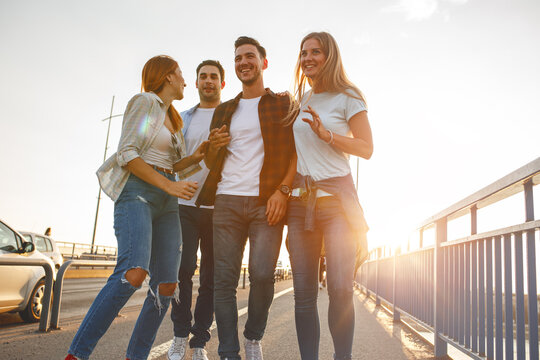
x=331, y=141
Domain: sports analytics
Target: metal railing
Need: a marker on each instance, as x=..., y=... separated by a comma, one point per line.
x=72, y=250
x=469, y=292
x=48, y=266
x=59, y=284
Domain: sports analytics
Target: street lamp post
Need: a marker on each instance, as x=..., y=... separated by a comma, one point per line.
x=104, y=158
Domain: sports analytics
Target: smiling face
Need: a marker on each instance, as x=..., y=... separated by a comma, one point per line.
x=248, y=64
x=312, y=58
x=209, y=83
x=177, y=82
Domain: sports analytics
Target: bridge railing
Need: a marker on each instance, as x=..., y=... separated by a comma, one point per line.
x=470, y=292
x=71, y=250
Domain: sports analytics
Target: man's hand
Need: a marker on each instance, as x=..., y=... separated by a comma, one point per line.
x=218, y=138
x=276, y=207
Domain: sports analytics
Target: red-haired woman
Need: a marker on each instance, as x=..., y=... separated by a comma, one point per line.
x=140, y=180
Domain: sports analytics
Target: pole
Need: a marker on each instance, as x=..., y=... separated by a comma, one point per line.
x=99, y=191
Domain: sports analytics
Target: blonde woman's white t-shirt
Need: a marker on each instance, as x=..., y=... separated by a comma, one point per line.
x=316, y=158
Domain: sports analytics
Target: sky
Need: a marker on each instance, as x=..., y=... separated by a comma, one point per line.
x=452, y=88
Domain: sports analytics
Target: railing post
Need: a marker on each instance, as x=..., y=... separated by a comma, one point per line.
x=397, y=317
x=474, y=219
x=531, y=272
x=377, y=299
x=438, y=288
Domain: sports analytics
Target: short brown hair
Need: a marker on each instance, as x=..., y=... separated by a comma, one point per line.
x=246, y=40
x=212, y=63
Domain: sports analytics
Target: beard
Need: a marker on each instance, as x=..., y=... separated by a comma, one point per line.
x=251, y=80
x=209, y=97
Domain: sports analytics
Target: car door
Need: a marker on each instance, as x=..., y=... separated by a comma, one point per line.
x=14, y=280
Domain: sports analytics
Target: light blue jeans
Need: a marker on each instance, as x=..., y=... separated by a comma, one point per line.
x=147, y=229
x=332, y=227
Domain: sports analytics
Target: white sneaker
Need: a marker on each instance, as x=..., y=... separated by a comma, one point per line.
x=199, y=354
x=177, y=351
x=253, y=349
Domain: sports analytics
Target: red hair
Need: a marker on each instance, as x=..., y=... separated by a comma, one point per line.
x=154, y=77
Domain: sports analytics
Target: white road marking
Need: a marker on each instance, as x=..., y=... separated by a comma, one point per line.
x=162, y=349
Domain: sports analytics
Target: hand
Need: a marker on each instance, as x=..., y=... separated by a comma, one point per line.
x=276, y=207
x=218, y=138
x=283, y=93
x=182, y=189
x=198, y=155
x=316, y=125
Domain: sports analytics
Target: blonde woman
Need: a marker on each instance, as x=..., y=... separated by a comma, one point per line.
x=330, y=123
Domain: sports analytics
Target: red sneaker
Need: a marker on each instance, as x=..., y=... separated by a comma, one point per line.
x=71, y=357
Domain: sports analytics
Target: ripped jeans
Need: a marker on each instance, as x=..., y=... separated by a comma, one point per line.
x=147, y=229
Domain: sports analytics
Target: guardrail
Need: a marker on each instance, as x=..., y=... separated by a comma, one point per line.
x=57, y=299
x=456, y=289
x=49, y=280
x=77, y=250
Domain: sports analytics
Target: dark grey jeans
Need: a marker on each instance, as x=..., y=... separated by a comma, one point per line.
x=196, y=229
x=235, y=219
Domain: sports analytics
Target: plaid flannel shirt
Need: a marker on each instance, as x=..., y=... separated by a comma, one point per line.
x=278, y=146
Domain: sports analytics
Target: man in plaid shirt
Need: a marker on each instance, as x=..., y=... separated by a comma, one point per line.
x=251, y=164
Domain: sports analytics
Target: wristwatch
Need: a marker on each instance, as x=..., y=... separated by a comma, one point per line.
x=285, y=189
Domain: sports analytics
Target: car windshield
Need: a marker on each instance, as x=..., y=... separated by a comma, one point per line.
x=8, y=242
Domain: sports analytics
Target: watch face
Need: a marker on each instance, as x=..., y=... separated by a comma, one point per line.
x=285, y=189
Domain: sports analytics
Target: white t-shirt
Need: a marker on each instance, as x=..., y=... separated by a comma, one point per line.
x=196, y=133
x=316, y=158
x=245, y=152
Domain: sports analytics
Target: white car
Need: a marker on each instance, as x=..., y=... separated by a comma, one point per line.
x=21, y=287
x=46, y=246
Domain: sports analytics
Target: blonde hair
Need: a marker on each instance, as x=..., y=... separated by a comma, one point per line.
x=154, y=77
x=331, y=77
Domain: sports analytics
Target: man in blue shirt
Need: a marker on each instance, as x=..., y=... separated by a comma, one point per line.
x=197, y=227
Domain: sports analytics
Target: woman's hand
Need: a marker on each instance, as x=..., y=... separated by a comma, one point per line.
x=182, y=189
x=316, y=125
x=199, y=153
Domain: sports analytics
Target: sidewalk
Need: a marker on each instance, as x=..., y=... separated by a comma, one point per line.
x=376, y=337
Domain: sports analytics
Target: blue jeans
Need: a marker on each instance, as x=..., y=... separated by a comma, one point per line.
x=196, y=226
x=331, y=226
x=235, y=219
x=147, y=229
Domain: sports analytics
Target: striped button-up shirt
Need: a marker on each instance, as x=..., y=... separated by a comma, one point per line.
x=143, y=119
x=278, y=145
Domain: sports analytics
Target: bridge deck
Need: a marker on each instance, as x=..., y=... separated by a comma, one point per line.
x=376, y=337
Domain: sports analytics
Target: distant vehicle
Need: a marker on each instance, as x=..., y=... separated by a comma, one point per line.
x=21, y=287
x=282, y=272
x=45, y=245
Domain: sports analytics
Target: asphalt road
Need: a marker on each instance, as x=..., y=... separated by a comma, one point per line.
x=376, y=337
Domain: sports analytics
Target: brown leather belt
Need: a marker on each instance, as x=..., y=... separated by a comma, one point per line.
x=166, y=171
